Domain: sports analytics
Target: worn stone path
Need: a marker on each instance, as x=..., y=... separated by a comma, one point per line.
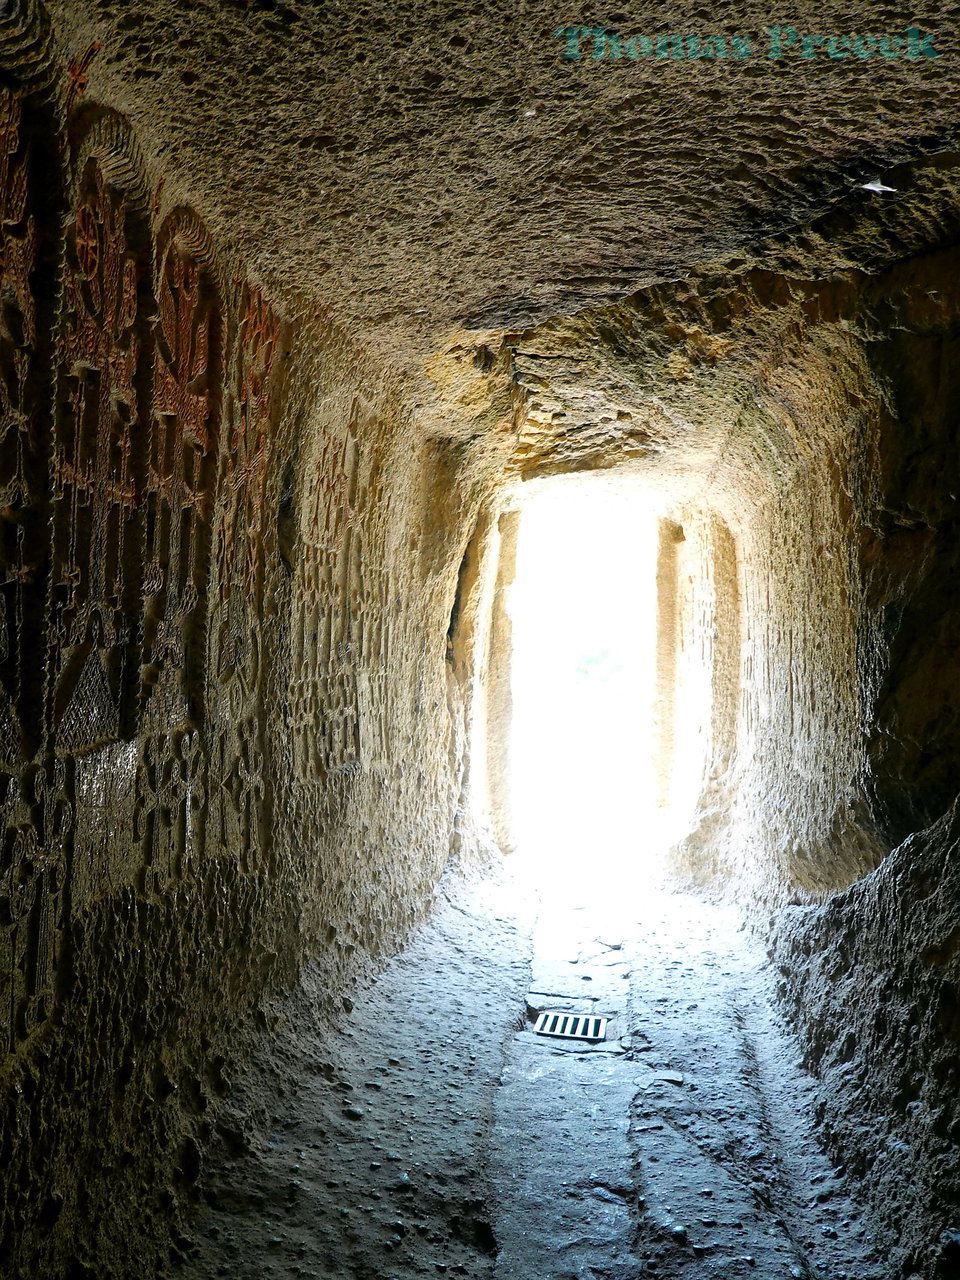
x=561, y=1164
x=434, y=1133
x=680, y=1147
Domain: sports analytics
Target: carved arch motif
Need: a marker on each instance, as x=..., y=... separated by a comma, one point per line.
x=99, y=447
x=23, y=484
x=32, y=836
x=181, y=473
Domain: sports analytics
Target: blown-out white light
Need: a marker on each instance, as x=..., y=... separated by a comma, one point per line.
x=583, y=609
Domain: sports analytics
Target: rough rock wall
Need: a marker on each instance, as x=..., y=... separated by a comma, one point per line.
x=910, y=551
x=454, y=164
x=698, y=666
x=225, y=741
x=872, y=980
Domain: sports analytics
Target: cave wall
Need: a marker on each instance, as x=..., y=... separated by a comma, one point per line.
x=871, y=981
x=226, y=732
x=232, y=735
x=698, y=668
x=871, y=978
x=909, y=547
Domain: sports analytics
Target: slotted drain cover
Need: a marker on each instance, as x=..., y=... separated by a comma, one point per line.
x=572, y=1026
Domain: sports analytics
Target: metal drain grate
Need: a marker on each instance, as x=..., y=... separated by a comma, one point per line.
x=573, y=1026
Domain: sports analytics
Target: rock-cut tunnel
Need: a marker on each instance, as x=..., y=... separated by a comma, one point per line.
x=478, y=541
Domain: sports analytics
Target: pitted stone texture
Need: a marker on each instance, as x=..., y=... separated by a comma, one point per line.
x=432, y=165
x=361, y=1149
x=872, y=982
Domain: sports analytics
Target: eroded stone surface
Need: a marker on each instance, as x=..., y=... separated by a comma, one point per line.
x=436, y=164
x=245, y=547
x=881, y=1037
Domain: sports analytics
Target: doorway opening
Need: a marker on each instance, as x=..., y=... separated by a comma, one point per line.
x=614, y=625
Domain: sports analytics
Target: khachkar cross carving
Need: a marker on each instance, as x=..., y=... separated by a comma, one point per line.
x=181, y=479
x=242, y=489
x=23, y=537
x=247, y=461
x=35, y=819
x=96, y=539
x=236, y=628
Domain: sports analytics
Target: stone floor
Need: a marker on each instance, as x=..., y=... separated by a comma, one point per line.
x=680, y=1147
x=434, y=1133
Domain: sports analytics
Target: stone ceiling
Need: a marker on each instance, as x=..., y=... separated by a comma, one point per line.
x=413, y=169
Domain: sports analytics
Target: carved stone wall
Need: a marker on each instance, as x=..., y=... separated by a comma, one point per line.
x=32, y=853
x=181, y=480
x=204, y=767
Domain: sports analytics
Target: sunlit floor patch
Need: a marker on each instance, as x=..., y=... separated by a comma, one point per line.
x=681, y=1147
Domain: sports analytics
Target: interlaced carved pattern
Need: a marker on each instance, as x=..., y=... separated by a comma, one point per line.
x=238, y=643
x=247, y=460
x=96, y=494
x=324, y=707
x=181, y=478
x=23, y=533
